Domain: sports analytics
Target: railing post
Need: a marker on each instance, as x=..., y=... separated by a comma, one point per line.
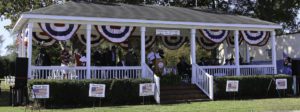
x=237, y=52
x=273, y=37
x=211, y=88
x=29, y=49
x=143, y=51
x=193, y=54
x=88, y=50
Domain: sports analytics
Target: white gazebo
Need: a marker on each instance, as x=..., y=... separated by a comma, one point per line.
x=117, y=22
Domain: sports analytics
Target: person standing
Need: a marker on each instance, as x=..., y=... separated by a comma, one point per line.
x=43, y=59
x=65, y=58
x=111, y=56
x=184, y=69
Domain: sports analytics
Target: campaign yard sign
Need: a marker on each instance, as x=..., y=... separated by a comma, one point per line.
x=281, y=83
x=40, y=91
x=232, y=86
x=147, y=89
x=97, y=90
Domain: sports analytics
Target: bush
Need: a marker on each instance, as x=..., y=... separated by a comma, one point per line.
x=251, y=86
x=75, y=92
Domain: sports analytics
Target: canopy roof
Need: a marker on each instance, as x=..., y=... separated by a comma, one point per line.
x=146, y=14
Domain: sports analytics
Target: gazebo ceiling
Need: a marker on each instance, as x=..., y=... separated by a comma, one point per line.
x=142, y=13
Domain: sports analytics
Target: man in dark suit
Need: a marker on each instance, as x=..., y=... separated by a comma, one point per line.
x=111, y=56
x=184, y=69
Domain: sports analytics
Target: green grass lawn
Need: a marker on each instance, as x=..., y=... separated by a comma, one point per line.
x=276, y=104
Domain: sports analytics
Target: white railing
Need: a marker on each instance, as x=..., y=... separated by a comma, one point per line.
x=148, y=73
x=205, y=82
x=116, y=72
x=9, y=80
x=58, y=72
x=157, y=89
x=256, y=69
x=156, y=80
x=225, y=70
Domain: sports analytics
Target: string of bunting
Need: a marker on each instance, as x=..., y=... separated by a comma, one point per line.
x=59, y=31
x=42, y=37
x=254, y=37
x=216, y=36
x=115, y=34
x=206, y=44
x=173, y=42
x=95, y=39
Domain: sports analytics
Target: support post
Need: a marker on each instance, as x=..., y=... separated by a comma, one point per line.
x=88, y=51
x=143, y=51
x=193, y=54
x=29, y=49
x=22, y=42
x=273, y=34
x=237, y=52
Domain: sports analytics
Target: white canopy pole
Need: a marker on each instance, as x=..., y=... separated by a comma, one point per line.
x=273, y=35
x=237, y=50
x=88, y=50
x=29, y=49
x=143, y=50
x=193, y=54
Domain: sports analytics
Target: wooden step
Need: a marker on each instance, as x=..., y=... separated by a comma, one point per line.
x=181, y=93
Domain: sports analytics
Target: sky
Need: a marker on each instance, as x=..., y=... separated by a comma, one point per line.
x=8, y=40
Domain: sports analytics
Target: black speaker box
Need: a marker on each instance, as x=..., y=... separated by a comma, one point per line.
x=21, y=69
x=296, y=67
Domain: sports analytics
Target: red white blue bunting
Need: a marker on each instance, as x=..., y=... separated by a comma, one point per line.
x=59, y=31
x=173, y=42
x=206, y=44
x=95, y=39
x=230, y=40
x=265, y=41
x=216, y=36
x=149, y=41
x=115, y=34
x=42, y=37
x=254, y=37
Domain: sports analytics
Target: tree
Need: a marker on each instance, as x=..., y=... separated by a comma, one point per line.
x=279, y=11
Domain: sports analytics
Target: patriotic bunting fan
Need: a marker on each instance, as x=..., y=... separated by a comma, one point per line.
x=230, y=40
x=59, y=31
x=115, y=34
x=216, y=36
x=173, y=42
x=149, y=41
x=206, y=44
x=43, y=37
x=95, y=40
x=254, y=37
